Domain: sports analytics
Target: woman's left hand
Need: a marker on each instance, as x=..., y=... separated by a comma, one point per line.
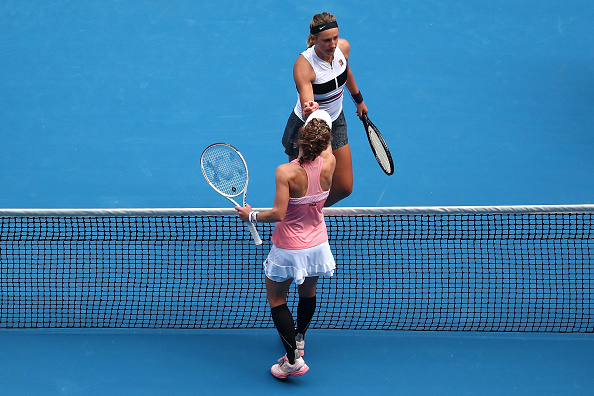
x=361, y=109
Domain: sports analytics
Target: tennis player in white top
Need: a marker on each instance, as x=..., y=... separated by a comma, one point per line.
x=321, y=73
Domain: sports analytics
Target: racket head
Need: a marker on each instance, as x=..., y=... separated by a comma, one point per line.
x=378, y=146
x=225, y=169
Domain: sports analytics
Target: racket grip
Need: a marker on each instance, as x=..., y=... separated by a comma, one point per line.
x=255, y=235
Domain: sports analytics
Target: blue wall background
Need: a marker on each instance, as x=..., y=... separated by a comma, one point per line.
x=110, y=104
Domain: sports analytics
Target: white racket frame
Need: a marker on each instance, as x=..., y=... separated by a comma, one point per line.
x=251, y=226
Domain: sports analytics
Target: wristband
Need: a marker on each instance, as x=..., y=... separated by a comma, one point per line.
x=252, y=217
x=358, y=98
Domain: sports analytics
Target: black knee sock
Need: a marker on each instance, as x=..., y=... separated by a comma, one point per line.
x=305, y=312
x=283, y=320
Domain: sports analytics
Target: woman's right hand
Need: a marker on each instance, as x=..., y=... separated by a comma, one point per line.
x=309, y=107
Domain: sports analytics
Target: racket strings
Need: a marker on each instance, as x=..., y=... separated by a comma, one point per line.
x=380, y=150
x=225, y=170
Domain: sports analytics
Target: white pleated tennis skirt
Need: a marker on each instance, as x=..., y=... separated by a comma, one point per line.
x=298, y=264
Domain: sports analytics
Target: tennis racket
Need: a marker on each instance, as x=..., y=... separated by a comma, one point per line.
x=226, y=171
x=378, y=146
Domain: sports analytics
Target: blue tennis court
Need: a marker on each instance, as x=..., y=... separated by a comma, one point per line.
x=109, y=105
x=237, y=362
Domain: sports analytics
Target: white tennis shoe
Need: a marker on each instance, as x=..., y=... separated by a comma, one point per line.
x=284, y=369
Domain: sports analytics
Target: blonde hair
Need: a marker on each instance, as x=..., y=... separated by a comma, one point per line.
x=313, y=139
x=319, y=19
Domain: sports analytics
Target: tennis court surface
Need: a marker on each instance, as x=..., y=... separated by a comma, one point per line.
x=210, y=362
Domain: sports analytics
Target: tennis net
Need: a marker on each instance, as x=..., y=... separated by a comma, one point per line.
x=513, y=268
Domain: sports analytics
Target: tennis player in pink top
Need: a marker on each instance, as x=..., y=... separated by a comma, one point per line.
x=300, y=249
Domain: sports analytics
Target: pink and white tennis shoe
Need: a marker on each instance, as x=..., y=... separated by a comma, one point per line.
x=284, y=369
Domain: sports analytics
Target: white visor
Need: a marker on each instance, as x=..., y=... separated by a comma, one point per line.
x=322, y=115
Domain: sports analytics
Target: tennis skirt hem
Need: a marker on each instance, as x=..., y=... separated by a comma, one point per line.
x=298, y=264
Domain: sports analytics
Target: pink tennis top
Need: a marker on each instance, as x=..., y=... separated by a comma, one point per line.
x=303, y=225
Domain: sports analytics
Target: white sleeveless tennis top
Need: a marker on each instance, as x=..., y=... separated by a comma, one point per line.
x=328, y=87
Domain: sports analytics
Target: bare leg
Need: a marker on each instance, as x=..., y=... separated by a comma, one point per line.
x=308, y=288
x=276, y=292
x=342, y=182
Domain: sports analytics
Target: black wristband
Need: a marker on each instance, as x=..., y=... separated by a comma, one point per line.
x=358, y=98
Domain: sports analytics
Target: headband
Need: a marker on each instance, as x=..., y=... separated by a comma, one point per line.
x=324, y=26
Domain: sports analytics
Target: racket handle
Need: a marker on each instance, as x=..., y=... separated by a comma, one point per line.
x=255, y=235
